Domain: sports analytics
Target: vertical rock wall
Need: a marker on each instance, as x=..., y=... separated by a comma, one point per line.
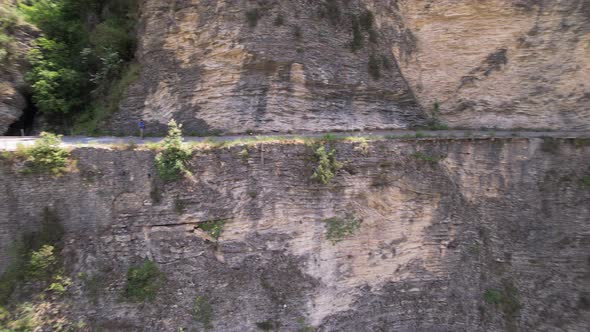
x=504, y=64
x=441, y=222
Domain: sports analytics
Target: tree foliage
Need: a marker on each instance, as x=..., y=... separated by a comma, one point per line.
x=83, y=48
x=171, y=161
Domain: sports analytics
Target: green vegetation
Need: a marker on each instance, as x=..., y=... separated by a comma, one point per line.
x=361, y=24
x=76, y=66
x=252, y=16
x=45, y=156
x=171, y=161
x=492, y=296
x=331, y=11
x=92, y=286
x=303, y=326
x=22, y=319
x=267, y=325
x=279, y=20
x=340, y=228
x=9, y=20
x=550, y=145
x=202, y=311
x=297, y=32
x=505, y=299
x=363, y=146
x=427, y=158
x=88, y=122
x=358, y=38
x=213, y=227
x=179, y=206
x=34, y=259
x=581, y=142
x=374, y=67
x=327, y=165
x=143, y=282
x=585, y=181
x=434, y=122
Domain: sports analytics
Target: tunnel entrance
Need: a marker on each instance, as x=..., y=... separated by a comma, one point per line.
x=26, y=122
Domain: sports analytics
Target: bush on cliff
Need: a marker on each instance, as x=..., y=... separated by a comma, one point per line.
x=327, y=165
x=143, y=282
x=171, y=161
x=45, y=156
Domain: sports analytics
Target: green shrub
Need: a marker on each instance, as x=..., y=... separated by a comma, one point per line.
x=213, y=227
x=46, y=156
x=171, y=161
x=374, y=67
x=581, y=142
x=143, y=282
x=434, y=122
x=357, y=36
x=327, y=165
x=92, y=286
x=340, y=228
x=505, y=299
x=8, y=22
x=267, y=325
x=585, y=181
x=492, y=296
x=279, y=20
x=179, y=206
x=427, y=158
x=33, y=257
x=42, y=263
x=252, y=16
x=202, y=311
x=367, y=19
x=303, y=326
x=550, y=145
x=331, y=10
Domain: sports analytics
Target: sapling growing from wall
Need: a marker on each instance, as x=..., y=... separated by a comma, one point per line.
x=45, y=156
x=171, y=161
x=143, y=282
x=327, y=165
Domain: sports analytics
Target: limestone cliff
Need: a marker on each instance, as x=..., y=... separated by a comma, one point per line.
x=301, y=65
x=267, y=66
x=500, y=63
x=453, y=235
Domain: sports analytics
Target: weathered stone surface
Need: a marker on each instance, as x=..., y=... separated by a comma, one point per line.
x=500, y=63
x=504, y=214
x=206, y=65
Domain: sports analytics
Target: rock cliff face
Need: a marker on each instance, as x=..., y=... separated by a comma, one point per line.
x=268, y=66
x=452, y=235
x=324, y=65
x=501, y=63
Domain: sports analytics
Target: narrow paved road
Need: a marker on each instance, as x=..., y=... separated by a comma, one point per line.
x=10, y=142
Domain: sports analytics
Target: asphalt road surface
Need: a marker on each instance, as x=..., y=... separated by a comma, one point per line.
x=9, y=143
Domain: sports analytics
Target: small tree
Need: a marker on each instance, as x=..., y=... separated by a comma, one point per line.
x=327, y=165
x=434, y=122
x=46, y=155
x=171, y=161
x=143, y=282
